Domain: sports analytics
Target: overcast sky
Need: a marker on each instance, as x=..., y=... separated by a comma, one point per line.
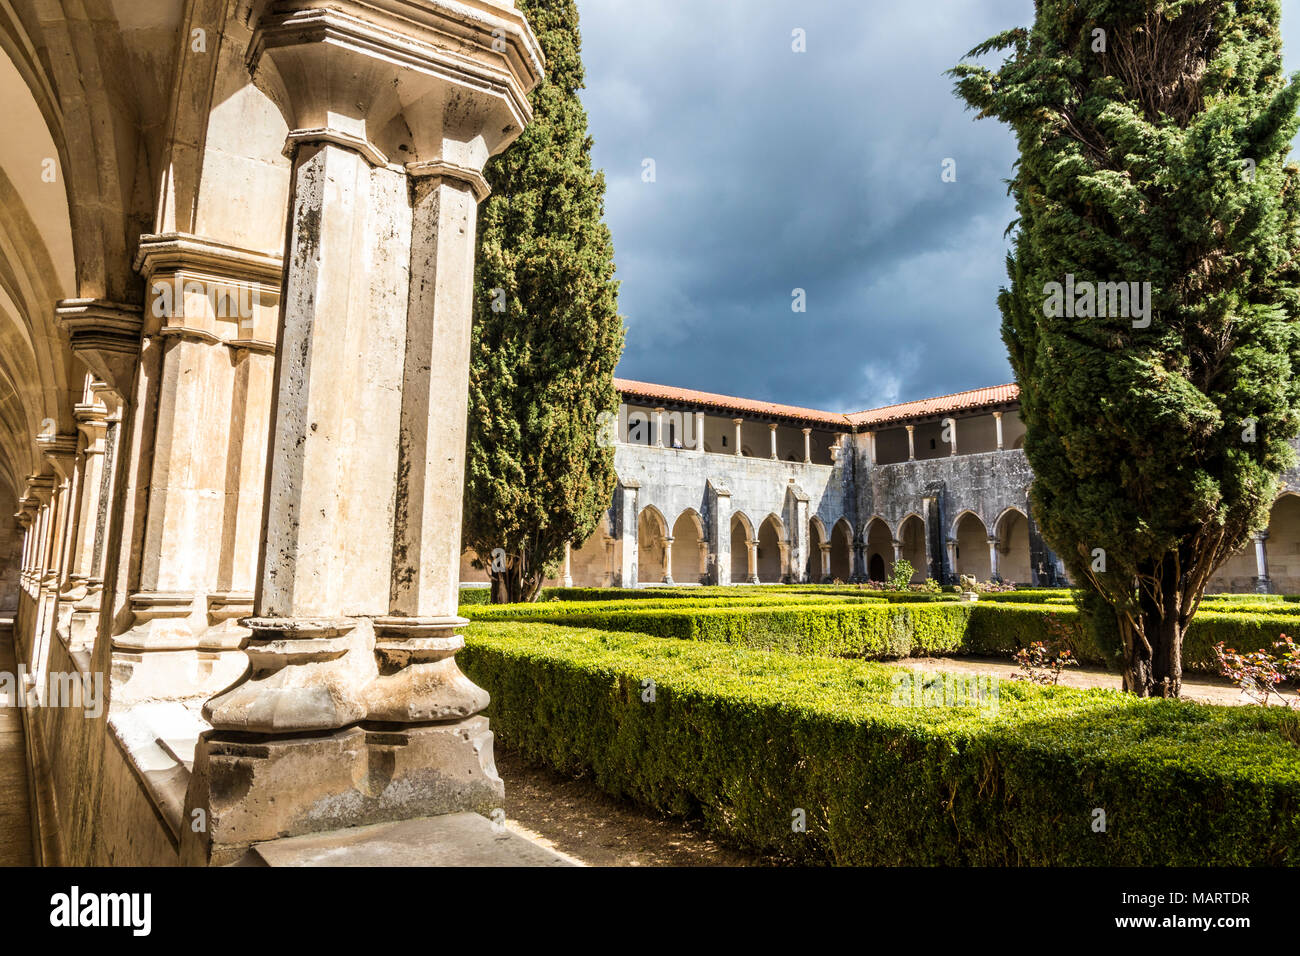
x=776, y=170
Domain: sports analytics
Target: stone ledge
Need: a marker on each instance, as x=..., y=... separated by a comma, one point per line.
x=453, y=839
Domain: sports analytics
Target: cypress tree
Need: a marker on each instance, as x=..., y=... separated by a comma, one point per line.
x=547, y=334
x=1153, y=138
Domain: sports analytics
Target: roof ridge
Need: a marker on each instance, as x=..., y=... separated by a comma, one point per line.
x=628, y=384
x=932, y=398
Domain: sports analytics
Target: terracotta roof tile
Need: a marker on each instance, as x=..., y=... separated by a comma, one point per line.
x=667, y=393
x=956, y=402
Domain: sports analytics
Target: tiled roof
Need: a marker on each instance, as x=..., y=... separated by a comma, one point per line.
x=958, y=401
x=667, y=393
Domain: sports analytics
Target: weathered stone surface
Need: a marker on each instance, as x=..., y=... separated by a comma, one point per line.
x=453, y=839
x=251, y=790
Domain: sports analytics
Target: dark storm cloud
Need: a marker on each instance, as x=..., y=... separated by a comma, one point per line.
x=820, y=170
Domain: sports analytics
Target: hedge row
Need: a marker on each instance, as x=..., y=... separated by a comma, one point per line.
x=878, y=630
x=840, y=630
x=999, y=631
x=745, y=740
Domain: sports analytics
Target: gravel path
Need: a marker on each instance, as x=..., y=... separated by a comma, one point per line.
x=1198, y=687
x=575, y=818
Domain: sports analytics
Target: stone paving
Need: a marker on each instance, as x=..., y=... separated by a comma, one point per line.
x=15, y=822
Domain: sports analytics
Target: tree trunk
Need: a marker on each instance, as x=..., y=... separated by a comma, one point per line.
x=513, y=586
x=1157, y=672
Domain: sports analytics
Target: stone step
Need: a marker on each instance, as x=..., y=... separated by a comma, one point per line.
x=454, y=839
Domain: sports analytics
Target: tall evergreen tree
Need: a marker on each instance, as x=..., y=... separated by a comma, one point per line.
x=1153, y=137
x=547, y=334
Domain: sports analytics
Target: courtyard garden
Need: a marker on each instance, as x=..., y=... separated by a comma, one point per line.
x=785, y=720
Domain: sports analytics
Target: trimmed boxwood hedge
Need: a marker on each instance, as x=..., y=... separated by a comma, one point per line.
x=1000, y=630
x=866, y=628
x=743, y=739
x=842, y=630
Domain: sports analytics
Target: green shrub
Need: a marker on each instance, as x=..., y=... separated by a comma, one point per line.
x=841, y=630
x=743, y=739
x=475, y=596
x=913, y=624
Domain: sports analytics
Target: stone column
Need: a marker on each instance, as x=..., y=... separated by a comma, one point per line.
x=807, y=446
x=191, y=546
x=353, y=686
x=787, y=572
x=567, y=580
x=659, y=428
x=699, y=433
x=610, y=558
x=60, y=451
x=738, y=422
x=898, y=549
x=911, y=442
x=952, y=556
x=826, y=563
x=719, y=530
x=1263, y=585
x=772, y=431
x=871, y=446
x=997, y=420
x=625, y=533
x=751, y=565
x=952, y=423
x=858, y=557
x=993, y=559
x=668, y=560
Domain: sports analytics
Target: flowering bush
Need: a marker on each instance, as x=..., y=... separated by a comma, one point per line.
x=1259, y=673
x=1042, y=661
x=995, y=587
x=1041, y=664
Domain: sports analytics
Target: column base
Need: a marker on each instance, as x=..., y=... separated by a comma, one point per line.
x=251, y=789
x=1263, y=585
x=174, y=650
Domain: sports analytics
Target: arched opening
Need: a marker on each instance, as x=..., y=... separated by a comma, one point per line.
x=651, y=530
x=912, y=535
x=816, y=538
x=972, y=546
x=769, y=551
x=688, y=535
x=1013, y=547
x=1283, y=545
x=591, y=562
x=842, y=552
x=741, y=535
x=1240, y=572
x=880, y=550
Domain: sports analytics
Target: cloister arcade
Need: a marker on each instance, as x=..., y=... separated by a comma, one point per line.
x=715, y=489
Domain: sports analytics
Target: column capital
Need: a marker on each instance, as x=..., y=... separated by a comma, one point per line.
x=210, y=291
x=40, y=488
x=105, y=336
x=60, y=450
x=348, y=69
x=997, y=414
